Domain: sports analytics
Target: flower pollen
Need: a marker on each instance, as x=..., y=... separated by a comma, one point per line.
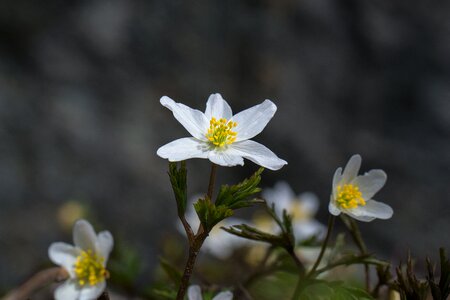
x=349, y=196
x=220, y=133
x=89, y=268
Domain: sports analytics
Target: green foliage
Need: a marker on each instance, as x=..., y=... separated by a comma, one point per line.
x=318, y=289
x=255, y=234
x=237, y=196
x=178, y=179
x=125, y=266
x=161, y=292
x=172, y=272
x=352, y=259
x=210, y=214
x=440, y=290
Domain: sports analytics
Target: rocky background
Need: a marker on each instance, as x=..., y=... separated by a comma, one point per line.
x=80, y=118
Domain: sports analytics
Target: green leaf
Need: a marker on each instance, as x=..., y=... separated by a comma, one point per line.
x=210, y=214
x=172, y=272
x=255, y=234
x=318, y=289
x=178, y=179
x=237, y=196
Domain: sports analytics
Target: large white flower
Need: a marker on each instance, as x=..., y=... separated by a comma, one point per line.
x=195, y=293
x=219, y=136
x=302, y=208
x=85, y=262
x=352, y=194
x=219, y=243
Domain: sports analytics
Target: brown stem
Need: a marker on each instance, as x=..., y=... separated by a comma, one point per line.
x=357, y=237
x=194, y=249
x=37, y=281
x=212, y=181
x=197, y=241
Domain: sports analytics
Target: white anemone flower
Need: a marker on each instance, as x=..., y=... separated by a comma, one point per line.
x=302, y=209
x=195, y=293
x=219, y=243
x=352, y=194
x=219, y=136
x=85, y=262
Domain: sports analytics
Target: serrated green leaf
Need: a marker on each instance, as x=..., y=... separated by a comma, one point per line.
x=210, y=214
x=178, y=179
x=237, y=196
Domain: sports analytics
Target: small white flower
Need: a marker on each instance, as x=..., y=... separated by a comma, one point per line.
x=219, y=243
x=219, y=136
x=85, y=262
x=302, y=208
x=195, y=293
x=352, y=194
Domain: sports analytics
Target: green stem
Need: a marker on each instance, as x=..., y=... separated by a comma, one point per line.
x=324, y=245
x=298, y=288
x=352, y=226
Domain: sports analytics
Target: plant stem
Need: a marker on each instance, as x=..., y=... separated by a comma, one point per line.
x=193, y=252
x=212, y=181
x=37, y=281
x=197, y=241
x=357, y=238
x=298, y=288
x=324, y=245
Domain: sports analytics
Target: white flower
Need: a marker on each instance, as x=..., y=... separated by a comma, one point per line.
x=85, y=262
x=302, y=208
x=195, y=293
x=219, y=136
x=352, y=194
x=219, y=243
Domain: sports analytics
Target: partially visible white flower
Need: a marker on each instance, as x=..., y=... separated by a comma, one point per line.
x=85, y=262
x=302, y=208
x=219, y=136
x=352, y=194
x=195, y=293
x=219, y=243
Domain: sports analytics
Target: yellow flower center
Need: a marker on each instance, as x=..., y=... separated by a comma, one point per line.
x=220, y=133
x=89, y=268
x=349, y=196
x=298, y=211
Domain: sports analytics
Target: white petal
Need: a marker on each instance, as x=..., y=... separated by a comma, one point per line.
x=310, y=202
x=194, y=293
x=281, y=195
x=105, y=244
x=333, y=209
x=372, y=210
x=337, y=177
x=63, y=255
x=193, y=120
x=67, y=291
x=225, y=158
x=252, y=121
x=306, y=229
x=84, y=236
x=183, y=149
x=224, y=296
x=351, y=169
x=92, y=292
x=370, y=183
x=258, y=154
x=218, y=108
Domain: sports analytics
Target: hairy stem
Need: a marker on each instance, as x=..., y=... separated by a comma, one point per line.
x=212, y=181
x=36, y=282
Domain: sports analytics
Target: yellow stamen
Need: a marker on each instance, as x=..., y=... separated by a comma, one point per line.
x=89, y=268
x=348, y=196
x=220, y=133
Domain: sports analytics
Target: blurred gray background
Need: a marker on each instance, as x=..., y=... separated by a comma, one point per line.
x=80, y=118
